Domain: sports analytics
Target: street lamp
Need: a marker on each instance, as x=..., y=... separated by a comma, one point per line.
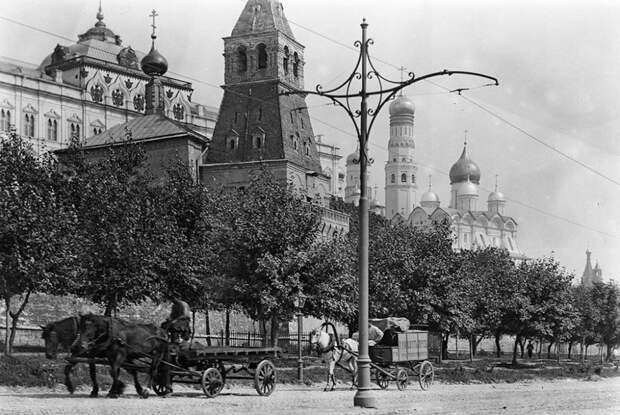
x=342, y=96
x=299, y=302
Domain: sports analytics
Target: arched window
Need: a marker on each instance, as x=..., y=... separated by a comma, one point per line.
x=242, y=59
x=52, y=130
x=259, y=117
x=5, y=120
x=29, y=125
x=285, y=60
x=413, y=178
x=97, y=131
x=393, y=179
x=403, y=178
x=295, y=64
x=262, y=55
x=231, y=144
x=179, y=111
x=258, y=141
x=75, y=130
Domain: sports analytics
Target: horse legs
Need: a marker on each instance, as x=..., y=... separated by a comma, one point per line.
x=143, y=393
x=353, y=369
x=68, y=383
x=93, y=377
x=116, y=360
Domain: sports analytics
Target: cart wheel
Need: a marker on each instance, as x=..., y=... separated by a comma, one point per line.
x=265, y=378
x=383, y=379
x=401, y=379
x=212, y=382
x=427, y=375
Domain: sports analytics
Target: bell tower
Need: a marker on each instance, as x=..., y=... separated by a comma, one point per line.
x=257, y=123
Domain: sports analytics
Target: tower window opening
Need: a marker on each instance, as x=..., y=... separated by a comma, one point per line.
x=292, y=119
x=231, y=144
x=236, y=117
x=260, y=114
x=295, y=64
x=262, y=55
x=413, y=178
x=302, y=121
x=285, y=60
x=75, y=130
x=29, y=125
x=242, y=59
x=403, y=178
x=393, y=179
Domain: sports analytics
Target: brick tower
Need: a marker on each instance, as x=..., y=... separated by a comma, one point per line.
x=257, y=125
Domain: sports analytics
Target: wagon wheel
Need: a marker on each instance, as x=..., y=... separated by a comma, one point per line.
x=161, y=390
x=265, y=378
x=212, y=382
x=383, y=379
x=427, y=375
x=401, y=379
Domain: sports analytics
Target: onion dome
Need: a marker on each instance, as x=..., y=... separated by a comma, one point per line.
x=429, y=196
x=467, y=188
x=496, y=197
x=465, y=169
x=402, y=105
x=154, y=64
x=100, y=31
x=351, y=158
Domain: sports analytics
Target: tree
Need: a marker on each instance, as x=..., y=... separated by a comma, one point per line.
x=261, y=228
x=36, y=228
x=606, y=300
x=128, y=236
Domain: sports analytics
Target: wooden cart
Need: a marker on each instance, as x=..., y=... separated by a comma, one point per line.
x=412, y=351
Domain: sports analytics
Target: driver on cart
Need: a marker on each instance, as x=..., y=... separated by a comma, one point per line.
x=178, y=323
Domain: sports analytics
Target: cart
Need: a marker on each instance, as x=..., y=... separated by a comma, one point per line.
x=412, y=351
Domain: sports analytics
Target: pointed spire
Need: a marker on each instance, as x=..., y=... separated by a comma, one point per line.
x=496, y=183
x=100, y=17
x=430, y=182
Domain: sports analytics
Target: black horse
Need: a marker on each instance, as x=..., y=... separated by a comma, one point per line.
x=62, y=335
x=123, y=342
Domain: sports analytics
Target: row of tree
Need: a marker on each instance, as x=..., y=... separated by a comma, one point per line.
x=107, y=230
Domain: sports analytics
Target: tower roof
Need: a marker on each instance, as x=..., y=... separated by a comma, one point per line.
x=100, y=31
x=465, y=169
x=402, y=105
x=262, y=16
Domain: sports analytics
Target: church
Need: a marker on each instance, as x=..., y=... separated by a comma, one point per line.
x=83, y=89
x=472, y=227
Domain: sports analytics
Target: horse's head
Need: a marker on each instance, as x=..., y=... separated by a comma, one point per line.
x=50, y=336
x=319, y=340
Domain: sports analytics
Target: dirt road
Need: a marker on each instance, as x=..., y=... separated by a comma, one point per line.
x=550, y=397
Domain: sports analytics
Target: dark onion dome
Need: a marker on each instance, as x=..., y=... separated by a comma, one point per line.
x=154, y=64
x=465, y=169
x=402, y=105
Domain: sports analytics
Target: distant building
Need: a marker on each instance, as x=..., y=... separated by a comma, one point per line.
x=329, y=156
x=86, y=88
x=591, y=275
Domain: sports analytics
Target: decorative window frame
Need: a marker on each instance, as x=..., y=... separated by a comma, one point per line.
x=258, y=139
x=232, y=141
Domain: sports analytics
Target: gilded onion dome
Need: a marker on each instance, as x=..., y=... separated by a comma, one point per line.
x=402, y=105
x=467, y=188
x=429, y=196
x=465, y=169
x=496, y=197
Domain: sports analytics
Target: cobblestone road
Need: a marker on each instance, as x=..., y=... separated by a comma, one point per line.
x=557, y=397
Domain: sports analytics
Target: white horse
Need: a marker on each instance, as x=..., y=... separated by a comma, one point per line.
x=334, y=353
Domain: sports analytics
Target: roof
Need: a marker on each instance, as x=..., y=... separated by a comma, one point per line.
x=262, y=16
x=147, y=128
x=96, y=49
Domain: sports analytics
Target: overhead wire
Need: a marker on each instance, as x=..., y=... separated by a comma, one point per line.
x=447, y=91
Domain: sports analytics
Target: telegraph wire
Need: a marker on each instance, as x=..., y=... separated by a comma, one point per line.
x=447, y=91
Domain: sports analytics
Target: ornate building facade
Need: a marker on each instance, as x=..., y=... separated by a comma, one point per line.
x=85, y=88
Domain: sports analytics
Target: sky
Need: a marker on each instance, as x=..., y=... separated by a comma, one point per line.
x=557, y=63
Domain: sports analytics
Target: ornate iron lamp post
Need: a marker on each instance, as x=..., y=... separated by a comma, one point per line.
x=299, y=302
x=342, y=95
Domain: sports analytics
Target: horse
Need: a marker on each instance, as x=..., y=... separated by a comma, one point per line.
x=328, y=346
x=62, y=334
x=120, y=342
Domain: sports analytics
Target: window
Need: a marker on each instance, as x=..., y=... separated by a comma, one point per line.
x=292, y=120
x=413, y=178
x=262, y=55
x=117, y=97
x=285, y=60
x=403, y=178
x=96, y=131
x=296, y=141
x=74, y=130
x=306, y=148
x=52, y=130
x=5, y=120
x=302, y=121
x=257, y=141
x=232, y=143
x=29, y=125
x=179, y=111
x=393, y=179
x=260, y=114
x=295, y=64
x=242, y=59
x=236, y=117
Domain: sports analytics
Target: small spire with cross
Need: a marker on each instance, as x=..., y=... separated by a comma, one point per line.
x=430, y=182
x=496, y=176
x=466, y=131
x=402, y=77
x=153, y=15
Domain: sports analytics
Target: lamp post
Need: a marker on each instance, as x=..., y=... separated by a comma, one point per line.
x=299, y=302
x=342, y=95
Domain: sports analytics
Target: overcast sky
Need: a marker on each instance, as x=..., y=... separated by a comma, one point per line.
x=557, y=63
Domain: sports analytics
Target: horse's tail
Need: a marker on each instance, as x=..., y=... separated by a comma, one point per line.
x=329, y=324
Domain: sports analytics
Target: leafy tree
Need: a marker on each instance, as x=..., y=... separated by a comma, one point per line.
x=606, y=300
x=36, y=228
x=261, y=228
x=128, y=236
